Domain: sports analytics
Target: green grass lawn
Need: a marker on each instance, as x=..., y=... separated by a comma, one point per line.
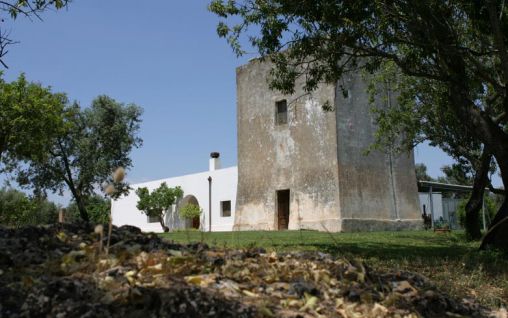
x=454, y=264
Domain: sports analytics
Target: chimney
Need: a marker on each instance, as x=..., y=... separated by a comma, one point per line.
x=214, y=161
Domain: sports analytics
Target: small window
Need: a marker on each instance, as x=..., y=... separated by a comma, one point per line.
x=153, y=219
x=281, y=116
x=225, y=209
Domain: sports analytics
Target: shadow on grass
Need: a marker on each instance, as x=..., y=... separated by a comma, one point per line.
x=433, y=256
x=420, y=247
x=382, y=250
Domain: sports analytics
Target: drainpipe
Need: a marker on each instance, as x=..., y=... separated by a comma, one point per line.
x=431, y=207
x=214, y=165
x=209, y=204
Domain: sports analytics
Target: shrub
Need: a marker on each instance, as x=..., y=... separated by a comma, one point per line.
x=190, y=211
x=156, y=203
x=490, y=211
x=97, y=207
x=18, y=209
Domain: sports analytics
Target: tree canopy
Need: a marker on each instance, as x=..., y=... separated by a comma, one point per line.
x=421, y=172
x=156, y=203
x=30, y=116
x=96, y=141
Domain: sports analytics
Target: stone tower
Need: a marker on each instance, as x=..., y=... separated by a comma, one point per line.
x=302, y=168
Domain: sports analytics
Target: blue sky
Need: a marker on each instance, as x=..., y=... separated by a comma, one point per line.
x=164, y=56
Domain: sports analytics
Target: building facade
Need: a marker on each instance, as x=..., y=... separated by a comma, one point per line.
x=299, y=167
x=214, y=191
x=302, y=167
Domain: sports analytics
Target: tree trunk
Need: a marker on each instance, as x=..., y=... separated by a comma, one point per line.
x=501, y=213
x=76, y=192
x=474, y=204
x=82, y=209
x=503, y=210
x=494, y=237
x=485, y=130
x=164, y=227
x=480, y=125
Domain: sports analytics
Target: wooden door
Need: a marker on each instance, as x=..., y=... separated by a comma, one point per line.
x=282, y=209
x=195, y=222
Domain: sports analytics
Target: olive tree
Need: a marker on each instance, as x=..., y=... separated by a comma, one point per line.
x=156, y=203
x=30, y=117
x=94, y=142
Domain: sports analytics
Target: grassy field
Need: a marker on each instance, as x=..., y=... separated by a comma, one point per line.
x=454, y=264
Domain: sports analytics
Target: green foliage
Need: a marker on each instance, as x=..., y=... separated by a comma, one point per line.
x=30, y=116
x=421, y=172
x=46, y=212
x=31, y=7
x=97, y=207
x=441, y=224
x=156, y=203
x=96, y=141
x=14, y=206
x=490, y=211
x=423, y=113
x=457, y=174
x=190, y=211
x=17, y=209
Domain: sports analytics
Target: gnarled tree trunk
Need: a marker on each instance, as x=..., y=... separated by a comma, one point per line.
x=82, y=209
x=164, y=227
x=497, y=236
x=475, y=202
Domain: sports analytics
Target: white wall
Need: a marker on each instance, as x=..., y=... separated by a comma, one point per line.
x=224, y=182
x=437, y=203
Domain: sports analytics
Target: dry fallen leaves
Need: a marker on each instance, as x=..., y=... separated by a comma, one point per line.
x=268, y=284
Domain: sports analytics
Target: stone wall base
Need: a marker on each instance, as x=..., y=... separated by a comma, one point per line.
x=342, y=225
x=370, y=225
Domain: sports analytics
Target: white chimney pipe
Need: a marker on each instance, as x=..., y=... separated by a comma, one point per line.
x=214, y=161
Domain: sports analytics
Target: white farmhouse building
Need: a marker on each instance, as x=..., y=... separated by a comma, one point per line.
x=215, y=188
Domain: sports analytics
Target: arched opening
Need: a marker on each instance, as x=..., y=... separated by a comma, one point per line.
x=190, y=199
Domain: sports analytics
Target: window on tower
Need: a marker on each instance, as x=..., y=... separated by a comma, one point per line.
x=281, y=115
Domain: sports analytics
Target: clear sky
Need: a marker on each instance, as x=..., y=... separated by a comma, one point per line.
x=164, y=56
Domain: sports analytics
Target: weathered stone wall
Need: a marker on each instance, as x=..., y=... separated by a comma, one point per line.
x=378, y=190
x=319, y=156
x=300, y=155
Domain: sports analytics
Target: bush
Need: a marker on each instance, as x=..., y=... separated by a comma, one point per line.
x=190, y=211
x=96, y=206
x=17, y=209
x=441, y=224
x=490, y=211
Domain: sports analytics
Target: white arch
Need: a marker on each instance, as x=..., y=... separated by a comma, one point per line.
x=190, y=199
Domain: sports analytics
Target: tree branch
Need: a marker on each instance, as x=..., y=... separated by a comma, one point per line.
x=499, y=42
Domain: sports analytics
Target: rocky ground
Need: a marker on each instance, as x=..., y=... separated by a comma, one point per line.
x=58, y=271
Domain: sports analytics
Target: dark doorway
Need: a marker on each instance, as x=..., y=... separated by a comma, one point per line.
x=282, y=209
x=195, y=222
